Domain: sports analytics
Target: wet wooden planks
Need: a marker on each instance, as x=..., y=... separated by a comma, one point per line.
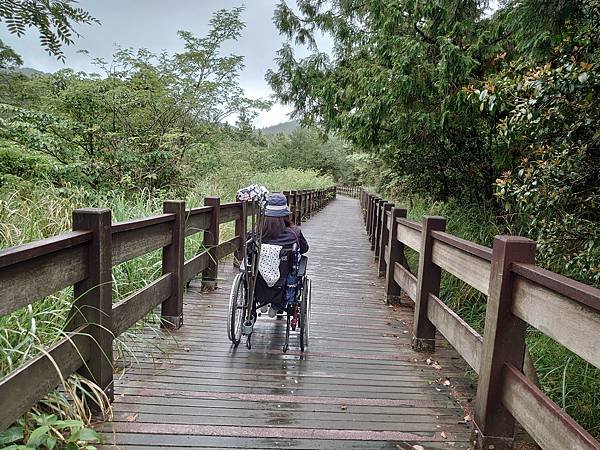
x=359, y=385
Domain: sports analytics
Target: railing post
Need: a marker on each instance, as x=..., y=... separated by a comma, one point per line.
x=370, y=199
x=211, y=242
x=306, y=204
x=93, y=298
x=171, y=310
x=368, y=214
x=375, y=213
x=300, y=207
x=503, y=343
x=363, y=203
x=428, y=283
x=378, y=228
x=241, y=225
x=396, y=255
x=294, y=208
x=374, y=206
x=385, y=235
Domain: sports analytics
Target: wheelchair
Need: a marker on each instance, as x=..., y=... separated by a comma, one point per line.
x=290, y=294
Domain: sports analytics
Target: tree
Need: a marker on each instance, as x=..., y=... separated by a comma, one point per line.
x=547, y=121
x=8, y=58
x=393, y=85
x=207, y=81
x=54, y=19
x=150, y=121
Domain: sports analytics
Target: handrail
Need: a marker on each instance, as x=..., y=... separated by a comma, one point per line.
x=35, y=249
x=350, y=191
x=520, y=294
x=37, y=269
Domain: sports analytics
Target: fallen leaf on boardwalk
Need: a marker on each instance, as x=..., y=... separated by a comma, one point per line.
x=132, y=418
x=418, y=447
x=447, y=382
x=444, y=435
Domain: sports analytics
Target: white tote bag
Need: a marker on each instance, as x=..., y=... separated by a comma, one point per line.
x=268, y=264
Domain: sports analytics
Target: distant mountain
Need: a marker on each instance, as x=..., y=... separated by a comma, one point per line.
x=284, y=127
x=27, y=71
x=30, y=72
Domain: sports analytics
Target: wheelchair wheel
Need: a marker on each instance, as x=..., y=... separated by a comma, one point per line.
x=237, y=308
x=305, y=315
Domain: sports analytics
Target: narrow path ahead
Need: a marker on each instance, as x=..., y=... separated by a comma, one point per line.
x=359, y=385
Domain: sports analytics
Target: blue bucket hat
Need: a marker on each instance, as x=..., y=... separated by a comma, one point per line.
x=277, y=206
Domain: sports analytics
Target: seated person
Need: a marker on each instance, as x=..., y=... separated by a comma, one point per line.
x=277, y=229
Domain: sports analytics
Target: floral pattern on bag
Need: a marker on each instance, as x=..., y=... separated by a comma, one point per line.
x=268, y=264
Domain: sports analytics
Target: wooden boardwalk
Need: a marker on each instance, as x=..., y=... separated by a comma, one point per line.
x=359, y=385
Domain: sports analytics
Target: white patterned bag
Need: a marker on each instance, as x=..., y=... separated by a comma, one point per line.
x=268, y=264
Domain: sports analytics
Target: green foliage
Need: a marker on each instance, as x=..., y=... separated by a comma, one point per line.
x=8, y=58
x=148, y=122
x=393, y=87
x=549, y=128
x=48, y=432
x=307, y=149
x=14, y=165
x=54, y=19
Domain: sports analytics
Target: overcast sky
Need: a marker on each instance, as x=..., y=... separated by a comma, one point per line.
x=153, y=24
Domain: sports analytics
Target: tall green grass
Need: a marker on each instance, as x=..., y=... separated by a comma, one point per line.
x=31, y=211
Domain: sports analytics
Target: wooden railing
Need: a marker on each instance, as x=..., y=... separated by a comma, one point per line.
x=519, y=294
x=84, y=259
x=350, y=191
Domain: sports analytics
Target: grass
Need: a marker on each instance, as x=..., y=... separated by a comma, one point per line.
x=568, y=380
x=30, y=211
